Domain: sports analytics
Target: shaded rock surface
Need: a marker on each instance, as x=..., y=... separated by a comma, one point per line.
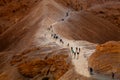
x=38, y=62
x=83, y=4
x=54, y=63
x=106, y=59
x=12, y=11
x=109, y=11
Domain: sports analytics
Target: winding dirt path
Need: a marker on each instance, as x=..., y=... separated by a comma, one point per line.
x=80, y=63
x=87, y=48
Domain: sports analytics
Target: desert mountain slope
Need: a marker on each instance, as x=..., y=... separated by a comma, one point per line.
x=85, y=26
x=29, y=52
x=50, y=12
x=106, y=59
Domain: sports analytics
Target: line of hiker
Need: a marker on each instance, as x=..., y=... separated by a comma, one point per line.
x=55, y=36
x=75, y=52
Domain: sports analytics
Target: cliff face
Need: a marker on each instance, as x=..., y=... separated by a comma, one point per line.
x=106, y=59
x=35, y=63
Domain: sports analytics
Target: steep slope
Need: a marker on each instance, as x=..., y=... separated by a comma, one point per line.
x=109, y=11
x=106, y=59
x=12, y=11
x=83, y=4
x=29, y=53
x=85, y=26
x=19, y=49
x=24, y=29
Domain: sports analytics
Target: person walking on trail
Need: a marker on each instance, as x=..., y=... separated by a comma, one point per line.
x=67, y=14
x=48, y=29
x=54, y=36
x=73, y=52
x=50, y=26
x=77, y=52
x=61, y=41
x=62, y=19
x=91, y=71
x=68, y=44
x=113, y=75
x=51, y=35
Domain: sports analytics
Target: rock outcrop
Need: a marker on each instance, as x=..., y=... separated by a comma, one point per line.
x=106, y=59
x=35, y=64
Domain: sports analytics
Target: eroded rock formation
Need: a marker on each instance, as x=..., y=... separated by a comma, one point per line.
x=36, y=63
x=106, y=59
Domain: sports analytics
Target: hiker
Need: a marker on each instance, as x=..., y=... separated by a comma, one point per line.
x=62, y=19
x=73, y=51
x=48, y=29
x=51, y=35
x=91, y=71
x=61, y=41
x=50, y=26
x=113, y=75
x=67, y=14
x=78, y=52
x=54, y=36
x=68, y=44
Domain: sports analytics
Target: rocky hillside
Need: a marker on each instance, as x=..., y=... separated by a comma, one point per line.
x=106, y=59
x=35, y=63
x=27, y=51
x=108, y=11
x=12, y=11
x=82, y=4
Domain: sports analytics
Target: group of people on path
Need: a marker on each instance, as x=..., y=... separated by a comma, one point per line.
x=75, y=52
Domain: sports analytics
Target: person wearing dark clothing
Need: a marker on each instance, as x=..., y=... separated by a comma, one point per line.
x=51, y=26
x=77, y=55
x=113, y=75
x=68, y=44
x=91, y=71
x=67, y=14
x=79, y=50
x=61, y=41
x=76, y=51
x=73, y=52
x=48, y=29
x=51, y=35
x=56, y=37
x=62, y=19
